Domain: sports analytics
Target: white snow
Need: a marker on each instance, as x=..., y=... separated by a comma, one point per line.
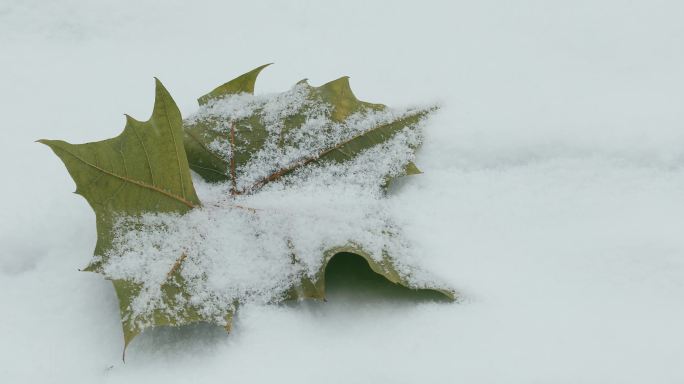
x=551, y=198
x=253, y=248
x=284, y=148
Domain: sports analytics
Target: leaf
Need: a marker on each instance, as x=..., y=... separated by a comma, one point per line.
x=144, y=169
x=244, y=83
x=247, y=135
x=315, y=288
x=140, y=187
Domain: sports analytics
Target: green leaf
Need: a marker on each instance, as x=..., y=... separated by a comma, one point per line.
x=249, y=134
x=182, y=314
x=244, y=83
x=314, y=288
x=144, y=169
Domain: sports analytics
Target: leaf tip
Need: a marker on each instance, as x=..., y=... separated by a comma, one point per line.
x=434, y=108
x=412, y=169
x=159, y=87
x=339, y=90
x=338, y=84
x=129, y=119
x=128, y=337
x=449, y=294
x=241, y=84
x=49, y=143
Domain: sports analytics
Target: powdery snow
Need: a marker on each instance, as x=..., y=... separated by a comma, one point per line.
x=240, y=249
x=285, y=147
x=551, y=197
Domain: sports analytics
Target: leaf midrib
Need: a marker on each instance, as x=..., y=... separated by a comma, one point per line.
x=284, y=171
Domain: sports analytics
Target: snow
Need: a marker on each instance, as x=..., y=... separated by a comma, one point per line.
x=234, y=254
x=551, y=198
x=284, y=148
x=255, y=247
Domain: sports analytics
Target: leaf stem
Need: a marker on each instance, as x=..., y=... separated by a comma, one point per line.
x=176, y=265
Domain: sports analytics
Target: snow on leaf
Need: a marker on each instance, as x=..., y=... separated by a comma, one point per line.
x=144, y=169
x=253, y=140
x=288, y=181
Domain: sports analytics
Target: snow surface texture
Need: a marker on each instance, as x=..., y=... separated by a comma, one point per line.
x=551, y=198
x=254, y=248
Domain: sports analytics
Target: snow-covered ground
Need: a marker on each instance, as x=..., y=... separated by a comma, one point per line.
x=552, y=198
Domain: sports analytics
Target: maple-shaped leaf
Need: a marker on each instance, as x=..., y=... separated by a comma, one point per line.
x=144, y=169
x=269, y=224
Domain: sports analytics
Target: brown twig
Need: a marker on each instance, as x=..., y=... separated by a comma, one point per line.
x=176, y=265
x=250, y=209
x=293, y=254
x=237, y=206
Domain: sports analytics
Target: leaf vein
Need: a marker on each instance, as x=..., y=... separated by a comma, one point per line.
x=132, y=181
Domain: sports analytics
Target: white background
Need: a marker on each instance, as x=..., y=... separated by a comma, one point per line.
x=552, y=198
